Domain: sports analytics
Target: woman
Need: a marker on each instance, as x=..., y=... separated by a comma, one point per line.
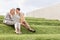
x=13, y=19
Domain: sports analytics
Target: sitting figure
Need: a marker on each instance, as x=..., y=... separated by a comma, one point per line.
x=13, y=19
x=23, y=21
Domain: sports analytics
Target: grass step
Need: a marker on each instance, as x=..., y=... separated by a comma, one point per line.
x=38, y=21
x=40, y=29
x=30, y=37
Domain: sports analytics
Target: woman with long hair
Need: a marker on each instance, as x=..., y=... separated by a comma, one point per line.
x=12, y=19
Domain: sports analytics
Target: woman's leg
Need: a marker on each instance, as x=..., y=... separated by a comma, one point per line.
x=17, y=27
x=8, y=22
x=27, y=26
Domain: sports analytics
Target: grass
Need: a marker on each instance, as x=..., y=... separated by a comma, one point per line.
x=45, y=30
x=31, y=37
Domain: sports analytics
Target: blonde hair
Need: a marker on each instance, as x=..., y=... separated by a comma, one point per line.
x=11, y=11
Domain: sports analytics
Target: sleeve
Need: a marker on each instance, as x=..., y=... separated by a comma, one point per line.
x=7, y=17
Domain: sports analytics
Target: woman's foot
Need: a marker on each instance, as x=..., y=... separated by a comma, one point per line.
x=18, y=32
x=32, y=30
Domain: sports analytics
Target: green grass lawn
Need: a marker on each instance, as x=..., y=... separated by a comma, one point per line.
x=45, y=30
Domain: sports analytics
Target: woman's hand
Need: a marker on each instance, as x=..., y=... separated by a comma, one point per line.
x=22, y=18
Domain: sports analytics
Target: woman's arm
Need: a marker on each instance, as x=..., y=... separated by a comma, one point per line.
x=22, y=18
x=7, y=17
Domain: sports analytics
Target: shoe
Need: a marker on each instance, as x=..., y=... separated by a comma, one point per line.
x=32, y=30
x=18, y=32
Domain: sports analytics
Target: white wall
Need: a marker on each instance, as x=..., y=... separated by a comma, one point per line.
x=52, y=12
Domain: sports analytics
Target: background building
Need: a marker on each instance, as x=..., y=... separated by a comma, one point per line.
x=51, y=12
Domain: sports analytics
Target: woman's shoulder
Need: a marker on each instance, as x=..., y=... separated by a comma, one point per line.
x=21, y=13
x=7, y=13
